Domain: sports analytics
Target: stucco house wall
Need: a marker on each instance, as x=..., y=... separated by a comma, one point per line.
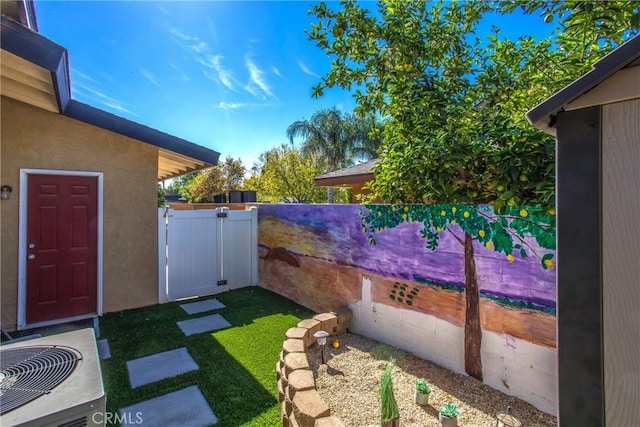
x=37, y=139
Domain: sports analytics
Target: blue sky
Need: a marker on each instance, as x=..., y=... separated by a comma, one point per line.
x=230, y=76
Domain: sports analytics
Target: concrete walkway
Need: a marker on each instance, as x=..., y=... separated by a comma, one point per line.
x=160, y=366
x=199, y=325
x=185, y=407
x=202, y=306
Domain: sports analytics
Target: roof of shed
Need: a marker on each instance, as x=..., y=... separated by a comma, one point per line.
x=359, y=173
x=543, y=115
x=35, y=70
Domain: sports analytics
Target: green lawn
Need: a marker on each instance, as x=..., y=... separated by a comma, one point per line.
x=237, y=365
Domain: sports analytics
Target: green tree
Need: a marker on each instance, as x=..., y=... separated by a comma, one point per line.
x=181, y=185
x=333, y=137
x=506, y=233
x=286, y=174
x=161, y=193
x=456, y=103
x=207, y=184
x=221, y=178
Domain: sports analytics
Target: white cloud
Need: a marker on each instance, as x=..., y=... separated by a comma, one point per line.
x=237, y=105
x=306, y=70
x=224, y=75
x=276, y=71
x=101, y=98
x=199, y=47
x=183, y=76
x=149, y=76
x=119, y=107
x=257, y=78
x=182, y=36
x=82, y=75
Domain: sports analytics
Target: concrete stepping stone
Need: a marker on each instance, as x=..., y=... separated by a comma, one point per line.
x=185, y=407
x=159, y=366
x=103, y=349
x=202, y=306
x=203, y=324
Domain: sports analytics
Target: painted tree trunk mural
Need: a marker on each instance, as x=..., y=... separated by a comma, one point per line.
x=472, y=328
x=505, y=232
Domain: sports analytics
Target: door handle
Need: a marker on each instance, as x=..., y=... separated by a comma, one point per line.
x=32, y=245
x=31, y=256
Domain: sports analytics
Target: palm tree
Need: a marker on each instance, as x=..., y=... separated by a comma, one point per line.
x=370, y=130
x=331, y=136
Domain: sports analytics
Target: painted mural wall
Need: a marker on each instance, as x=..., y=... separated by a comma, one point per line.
x=461, y=286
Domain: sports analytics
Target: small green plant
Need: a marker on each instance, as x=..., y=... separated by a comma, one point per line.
x=388, y=402
x=449, y=411
x=422, y=386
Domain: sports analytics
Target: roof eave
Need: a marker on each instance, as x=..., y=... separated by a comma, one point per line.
x=41, y=51
x=344, y=180
x=544, y=114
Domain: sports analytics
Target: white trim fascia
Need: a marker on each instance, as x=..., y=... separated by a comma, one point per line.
x=22, y=238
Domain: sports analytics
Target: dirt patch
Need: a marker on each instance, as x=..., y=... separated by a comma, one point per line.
x=350, y=382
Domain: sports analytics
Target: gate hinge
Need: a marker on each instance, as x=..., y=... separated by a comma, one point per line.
x=222, y=282
x=222, y=215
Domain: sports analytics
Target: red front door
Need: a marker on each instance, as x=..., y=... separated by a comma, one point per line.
x=62, y=247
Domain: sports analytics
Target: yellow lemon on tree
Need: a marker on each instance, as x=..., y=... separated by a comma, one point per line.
x=481, y=233
x=336, y=344
x=404, y=216
x=552, y=211
x=489, y=245
x=453, y=222
x=524, y=213
x=549, y=263
x=466, y=215
x=443, y=213
x=454, y=209
x=438, y=229
x=510, y=258
x=406, y=208
x=511, y=202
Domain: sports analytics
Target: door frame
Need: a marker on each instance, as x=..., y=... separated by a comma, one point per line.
x=22, y=244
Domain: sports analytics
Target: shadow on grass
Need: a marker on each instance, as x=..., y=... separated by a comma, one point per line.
x=236, y=366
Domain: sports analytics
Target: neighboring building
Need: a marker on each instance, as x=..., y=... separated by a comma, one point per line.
x=173, y=197
x=353, y=177
x=78, y=215
x=596, y=120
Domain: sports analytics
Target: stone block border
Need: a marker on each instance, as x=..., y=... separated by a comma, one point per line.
x=301, y=403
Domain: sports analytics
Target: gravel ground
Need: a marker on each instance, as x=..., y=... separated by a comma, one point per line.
x=350, y=381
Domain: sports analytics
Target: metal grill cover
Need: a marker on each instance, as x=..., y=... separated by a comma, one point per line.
x=29, y=372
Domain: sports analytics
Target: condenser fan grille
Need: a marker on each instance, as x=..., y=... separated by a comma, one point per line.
x=27, y=373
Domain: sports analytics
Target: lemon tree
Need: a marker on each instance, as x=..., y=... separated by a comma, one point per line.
x=455, y=101
x=509, y=233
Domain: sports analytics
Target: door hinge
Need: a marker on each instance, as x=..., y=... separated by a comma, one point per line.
x=222, y=282
x=222, y=215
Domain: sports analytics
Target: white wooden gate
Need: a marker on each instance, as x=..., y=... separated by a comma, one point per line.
x=206, y=251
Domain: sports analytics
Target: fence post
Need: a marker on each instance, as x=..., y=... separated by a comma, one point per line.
x=163, y=214
x=223, y=241
x=254, y=245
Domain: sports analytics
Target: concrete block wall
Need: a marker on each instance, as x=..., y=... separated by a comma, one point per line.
x=513, y=366
x=302, y=405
